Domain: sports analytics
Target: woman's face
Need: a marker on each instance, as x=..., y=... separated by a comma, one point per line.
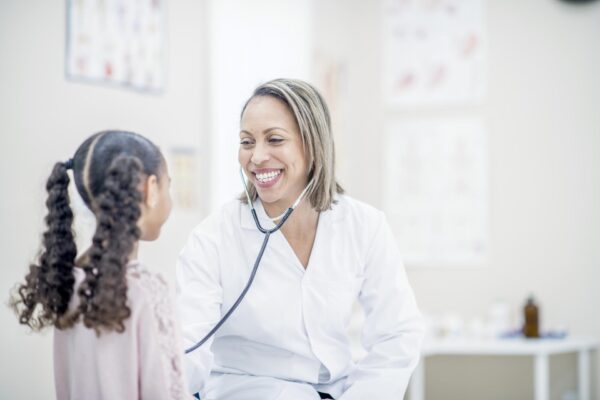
x=271, y=151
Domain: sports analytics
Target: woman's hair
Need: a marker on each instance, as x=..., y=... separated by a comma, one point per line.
x=108, y=169
x=312, y=116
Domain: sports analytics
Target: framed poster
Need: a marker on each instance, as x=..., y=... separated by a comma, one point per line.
x=433, y=52
x=117, y=42
x=436, y=191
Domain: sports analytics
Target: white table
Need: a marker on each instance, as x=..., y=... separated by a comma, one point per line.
x=540, y=349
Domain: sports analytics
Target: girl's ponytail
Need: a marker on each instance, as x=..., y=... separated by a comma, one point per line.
x=49, y=283
x=104, y=291
x=108, y=169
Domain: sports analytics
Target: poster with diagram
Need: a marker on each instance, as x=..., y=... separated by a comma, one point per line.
x=183, y=165
x=436, y=191
x=433, y=52
x=117, y=42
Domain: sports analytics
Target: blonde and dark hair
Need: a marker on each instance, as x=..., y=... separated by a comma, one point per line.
x=312, y=116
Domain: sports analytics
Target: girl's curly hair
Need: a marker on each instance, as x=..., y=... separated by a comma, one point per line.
x=108, y=169
x=49, y=283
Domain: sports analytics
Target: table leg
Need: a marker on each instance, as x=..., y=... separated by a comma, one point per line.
x=542, y=381
x=417, y=382
x=583, y=372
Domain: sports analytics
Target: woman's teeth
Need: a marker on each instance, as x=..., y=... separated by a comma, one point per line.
x=268, y=176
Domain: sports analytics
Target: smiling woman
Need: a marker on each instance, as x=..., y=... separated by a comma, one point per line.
x=292, y=114
x=288, y=339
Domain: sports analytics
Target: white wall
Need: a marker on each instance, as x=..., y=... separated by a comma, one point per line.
x=544, y=144
x=251, y=42
x=43, y=118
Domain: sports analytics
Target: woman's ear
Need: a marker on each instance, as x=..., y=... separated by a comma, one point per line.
x=151, y=191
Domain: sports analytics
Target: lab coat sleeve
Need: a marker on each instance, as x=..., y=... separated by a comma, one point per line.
x=393, y=328
x=199, y=298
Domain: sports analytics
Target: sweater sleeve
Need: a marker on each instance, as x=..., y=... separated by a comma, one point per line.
x=159, y=345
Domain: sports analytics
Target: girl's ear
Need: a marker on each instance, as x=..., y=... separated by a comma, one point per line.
x=151, y=191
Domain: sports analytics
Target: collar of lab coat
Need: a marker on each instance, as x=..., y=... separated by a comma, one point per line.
x=247, y=221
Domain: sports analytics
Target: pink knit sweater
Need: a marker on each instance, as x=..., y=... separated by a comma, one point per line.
x=144, y=362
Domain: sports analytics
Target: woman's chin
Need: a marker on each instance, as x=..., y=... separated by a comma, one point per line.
x=267, y=198
x=270, y=196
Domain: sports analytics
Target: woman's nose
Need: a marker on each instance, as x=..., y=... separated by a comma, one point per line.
x=260, y=154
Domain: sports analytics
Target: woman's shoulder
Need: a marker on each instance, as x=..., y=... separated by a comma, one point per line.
x=225, y=215
x=351, y=210
x=219, y=226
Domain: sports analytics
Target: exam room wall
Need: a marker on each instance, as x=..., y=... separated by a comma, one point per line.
x=541, y=113
x=44, y=117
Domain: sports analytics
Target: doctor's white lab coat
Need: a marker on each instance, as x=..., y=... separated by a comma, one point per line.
x=293, y=323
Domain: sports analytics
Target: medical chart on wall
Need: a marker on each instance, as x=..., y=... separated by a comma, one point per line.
x=117, y=42
x=183, y=166
x=433, y=52
x=435, y=191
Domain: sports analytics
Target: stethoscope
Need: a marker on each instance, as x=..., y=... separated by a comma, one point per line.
x=267, y=232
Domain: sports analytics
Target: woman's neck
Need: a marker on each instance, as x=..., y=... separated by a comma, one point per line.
x=274, y=210
x=303, y=220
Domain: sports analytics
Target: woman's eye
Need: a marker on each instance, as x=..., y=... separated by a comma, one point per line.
x=275, y=140
x=245, y=142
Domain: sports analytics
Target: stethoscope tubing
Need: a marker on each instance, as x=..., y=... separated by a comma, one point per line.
x=267, y=233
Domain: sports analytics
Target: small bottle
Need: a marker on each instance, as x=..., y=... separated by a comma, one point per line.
x=531, y=328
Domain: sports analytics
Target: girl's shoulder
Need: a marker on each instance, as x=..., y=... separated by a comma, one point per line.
x=139, y=274
x=150, y=298
x=147, y=289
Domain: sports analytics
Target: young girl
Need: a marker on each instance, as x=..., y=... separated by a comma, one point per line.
x=115, y=335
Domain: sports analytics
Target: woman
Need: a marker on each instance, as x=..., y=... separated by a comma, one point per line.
x=289, y=337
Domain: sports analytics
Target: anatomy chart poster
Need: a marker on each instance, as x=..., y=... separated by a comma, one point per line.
x=436, y=191
x=433, y=52
x=117, y=42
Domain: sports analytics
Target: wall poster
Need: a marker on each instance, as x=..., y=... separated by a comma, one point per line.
x=117, y=42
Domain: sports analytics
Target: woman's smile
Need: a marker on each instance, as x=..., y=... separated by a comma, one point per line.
x=265, y=178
